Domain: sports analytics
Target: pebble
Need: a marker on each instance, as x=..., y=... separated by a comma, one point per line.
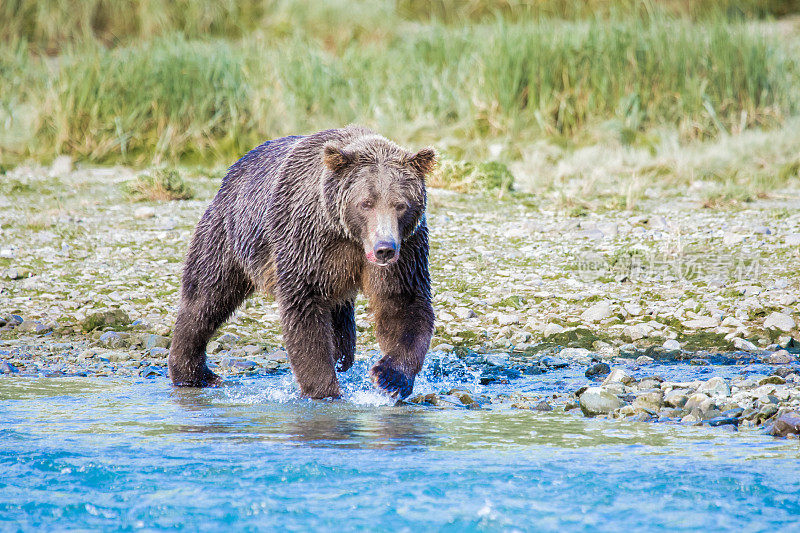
x=552, y=329
x=35, y=327
x=704, y=322
x=672, y=346
x=158, y=353
x=497, y=359
x=722, y=421
x=644, y=360
x=597, y=312
x=628, y=350
x=636, y=332
x=253, y=349
x=744, y=345
x=238, y=363
x=110, y=318
x=780, y=321
x=464, y=313
x=111, y=339
x=506, y=319
x=144, y=212
x=151, y=340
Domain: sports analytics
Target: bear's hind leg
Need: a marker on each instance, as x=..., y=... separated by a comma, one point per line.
x=206, y=303
x=344, y=335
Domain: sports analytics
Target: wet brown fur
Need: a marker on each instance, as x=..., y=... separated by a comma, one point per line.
x=290, y=219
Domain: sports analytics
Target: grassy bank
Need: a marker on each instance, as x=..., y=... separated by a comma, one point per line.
x=173, y=98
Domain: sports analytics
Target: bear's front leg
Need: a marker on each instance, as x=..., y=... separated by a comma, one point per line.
x=404, y=327
x=308, y=336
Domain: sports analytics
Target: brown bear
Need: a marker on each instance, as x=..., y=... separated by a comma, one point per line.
x=313, y=219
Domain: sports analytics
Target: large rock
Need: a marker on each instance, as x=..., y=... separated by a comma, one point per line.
x=780, y=321
x=781, y=357
x=676, y=398
x=598, y=401
x=650, y=401
x=618, y=376
x=715, y=386
x=786, y=424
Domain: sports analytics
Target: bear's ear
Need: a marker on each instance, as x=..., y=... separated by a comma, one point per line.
x=335, y=158
x=423, y=161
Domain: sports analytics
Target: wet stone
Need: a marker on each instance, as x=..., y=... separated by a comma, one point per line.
x=152, y=340
x=7, y=368
x=543, y=406
x=237, y=363
x=111, y=339
x=772, y=380
x=618, y=376
x=158, y=353
x=151, y=371
x=597, y=370
x=781, y=357
x=598, y=401
x=554, y=362
x=785, y=425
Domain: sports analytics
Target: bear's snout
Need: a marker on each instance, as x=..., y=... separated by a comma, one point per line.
x=385, y=252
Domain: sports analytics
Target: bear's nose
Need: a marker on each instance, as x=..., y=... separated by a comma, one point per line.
x=385, y=251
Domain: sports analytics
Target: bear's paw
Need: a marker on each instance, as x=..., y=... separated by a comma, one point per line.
x=391, y=380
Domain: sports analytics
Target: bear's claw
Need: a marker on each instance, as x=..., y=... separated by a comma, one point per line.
x=391, y=381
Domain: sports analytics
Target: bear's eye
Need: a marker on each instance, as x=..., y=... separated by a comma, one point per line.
x=366, y=204
x=400, y=208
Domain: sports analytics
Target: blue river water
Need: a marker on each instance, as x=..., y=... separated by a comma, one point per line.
x=111, y=454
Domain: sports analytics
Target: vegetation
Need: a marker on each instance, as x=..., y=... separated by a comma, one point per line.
x=160, y=185
x=141, y=83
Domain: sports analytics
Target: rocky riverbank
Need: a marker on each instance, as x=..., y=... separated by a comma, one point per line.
x=89, y=281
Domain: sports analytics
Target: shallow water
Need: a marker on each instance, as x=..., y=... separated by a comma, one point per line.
x=103, y=453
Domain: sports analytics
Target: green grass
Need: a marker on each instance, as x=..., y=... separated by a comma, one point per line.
x=171, y=99
x=156, y=82
x=51, y=25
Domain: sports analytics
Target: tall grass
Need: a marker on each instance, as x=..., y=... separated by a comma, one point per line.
x=174, y=98
x=50, y=25
x=458, y=11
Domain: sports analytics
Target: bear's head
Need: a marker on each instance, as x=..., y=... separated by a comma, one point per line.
x=376, y=191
